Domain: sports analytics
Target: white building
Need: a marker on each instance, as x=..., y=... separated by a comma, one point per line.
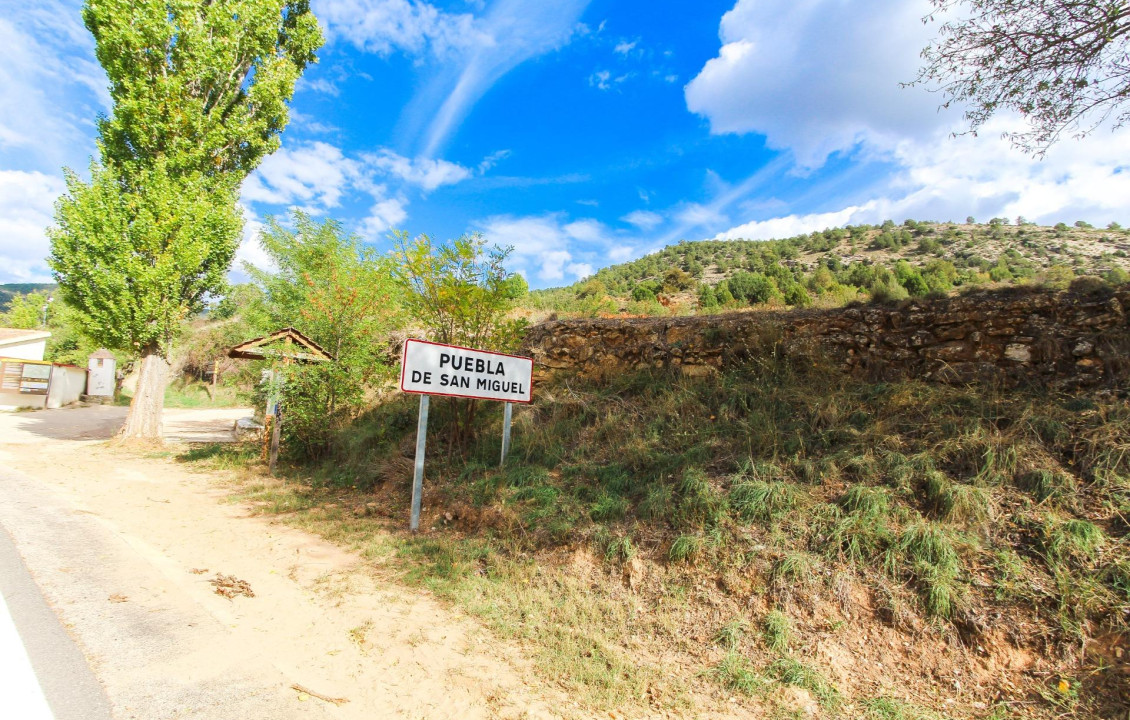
x=23, y=344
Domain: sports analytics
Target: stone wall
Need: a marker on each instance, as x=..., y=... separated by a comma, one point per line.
x=1013, y=335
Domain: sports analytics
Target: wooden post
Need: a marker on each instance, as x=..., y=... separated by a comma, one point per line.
x=418, y=475
x=276, y=432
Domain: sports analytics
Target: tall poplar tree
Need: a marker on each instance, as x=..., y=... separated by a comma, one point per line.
x=199, y=90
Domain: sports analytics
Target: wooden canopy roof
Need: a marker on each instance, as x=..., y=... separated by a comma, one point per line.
x=293, y=345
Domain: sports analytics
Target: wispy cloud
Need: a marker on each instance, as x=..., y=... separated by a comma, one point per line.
x=511, y=32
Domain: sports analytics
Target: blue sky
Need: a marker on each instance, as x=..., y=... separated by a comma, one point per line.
x=581, y=132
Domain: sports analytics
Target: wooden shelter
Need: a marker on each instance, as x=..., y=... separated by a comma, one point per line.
x=294, y=347
x=285, y=346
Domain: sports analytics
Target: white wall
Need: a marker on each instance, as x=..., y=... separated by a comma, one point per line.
x=67, y=383
x=30, y=350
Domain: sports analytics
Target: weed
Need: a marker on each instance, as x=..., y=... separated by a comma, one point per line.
x=1075, y=539
x=892, y=709
x=735, y=673
x=762, y=501
x=777, y=631
x=608, y=507
x=731, y=634
x=684, y=548
x=929, y=544
x=1009, y=573
x=857, y=538
x=657, y=503
x=956, y=501
x=1045, y=484
x=795, y=567
x=699, y=503
x=793, y=672
x=620, y=549
x=932, y=554
x=866, y=503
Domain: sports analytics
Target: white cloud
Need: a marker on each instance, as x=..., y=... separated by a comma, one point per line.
x=382, y=26
x=600, y=80
x=624, y=47
x=250, y=250
x=548, y=250
x=314, y=175
x=819, y=76
x=27, y=202
x=317, y=177
x=422, y=172
x=385, y=215
x=491, y=160
x=644, y=219
x=944, y=178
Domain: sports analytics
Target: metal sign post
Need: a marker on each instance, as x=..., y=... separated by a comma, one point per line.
x=434, y=369
x=418, y=477
x=506, y=414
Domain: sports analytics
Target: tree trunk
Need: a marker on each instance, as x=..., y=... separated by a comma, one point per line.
x=144, y=420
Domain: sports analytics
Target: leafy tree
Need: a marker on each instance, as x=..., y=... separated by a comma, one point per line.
x=462, y=293
x=1062, y=64
x=27, y=311
x=706, y=297
x=344, y=296
x=199, y=93
x=676, y=280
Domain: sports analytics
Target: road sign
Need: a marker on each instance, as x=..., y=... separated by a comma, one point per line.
x=434, y=369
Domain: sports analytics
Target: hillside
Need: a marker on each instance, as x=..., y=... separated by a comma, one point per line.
x=776, y=541
x=10, y=290
x=842, y=265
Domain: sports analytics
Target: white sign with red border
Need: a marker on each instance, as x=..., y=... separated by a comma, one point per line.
x=435, y=369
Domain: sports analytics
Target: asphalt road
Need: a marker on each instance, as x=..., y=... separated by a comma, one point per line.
x=45, y=674
x=145, y=650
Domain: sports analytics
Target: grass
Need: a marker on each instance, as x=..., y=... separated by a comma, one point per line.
x=791, y=671
x=892, y=709
x=777, y=631
x=735, y=672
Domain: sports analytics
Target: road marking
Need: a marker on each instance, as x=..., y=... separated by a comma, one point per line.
x=19, y=686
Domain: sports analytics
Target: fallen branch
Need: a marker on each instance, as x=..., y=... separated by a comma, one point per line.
x=324, y=698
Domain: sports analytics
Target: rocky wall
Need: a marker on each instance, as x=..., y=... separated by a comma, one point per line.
x=1013, y=335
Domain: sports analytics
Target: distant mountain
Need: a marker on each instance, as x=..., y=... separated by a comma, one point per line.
x=10, y=290
x=841, y=265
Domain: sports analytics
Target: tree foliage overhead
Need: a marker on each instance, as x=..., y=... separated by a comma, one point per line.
x=202, y=86
x=199, y=94
x=1062, y=64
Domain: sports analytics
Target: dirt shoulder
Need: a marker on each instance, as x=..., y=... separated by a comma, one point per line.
x=125, y=548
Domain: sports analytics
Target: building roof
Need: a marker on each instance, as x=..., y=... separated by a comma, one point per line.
x=15, y=336
x=102, y=353
x=258, y=349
